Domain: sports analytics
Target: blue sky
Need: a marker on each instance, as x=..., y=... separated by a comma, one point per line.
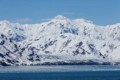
x=101, y=12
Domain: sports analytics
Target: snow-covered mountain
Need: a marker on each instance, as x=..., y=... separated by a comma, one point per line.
x=59, y=41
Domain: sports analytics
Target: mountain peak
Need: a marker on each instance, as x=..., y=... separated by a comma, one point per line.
x=83, y=21
x=60, y=17
x=4, y=22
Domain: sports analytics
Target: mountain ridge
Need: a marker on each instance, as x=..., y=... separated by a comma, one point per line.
x=59, y=41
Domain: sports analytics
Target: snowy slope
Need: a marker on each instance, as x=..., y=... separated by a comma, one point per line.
x=59, y=41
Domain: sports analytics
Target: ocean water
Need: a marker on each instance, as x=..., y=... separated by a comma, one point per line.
x=69, y=72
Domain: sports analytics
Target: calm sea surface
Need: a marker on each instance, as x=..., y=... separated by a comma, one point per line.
x=69, y=72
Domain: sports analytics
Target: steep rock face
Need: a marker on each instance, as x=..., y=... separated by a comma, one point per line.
x=59, y=41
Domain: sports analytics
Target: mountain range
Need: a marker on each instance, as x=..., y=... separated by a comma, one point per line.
x=59, y=41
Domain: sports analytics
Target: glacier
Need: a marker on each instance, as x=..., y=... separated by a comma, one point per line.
x=59, y=41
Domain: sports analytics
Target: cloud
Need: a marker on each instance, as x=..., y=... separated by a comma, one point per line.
x=45, y=19
x=23, y=20
x=68, y=13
